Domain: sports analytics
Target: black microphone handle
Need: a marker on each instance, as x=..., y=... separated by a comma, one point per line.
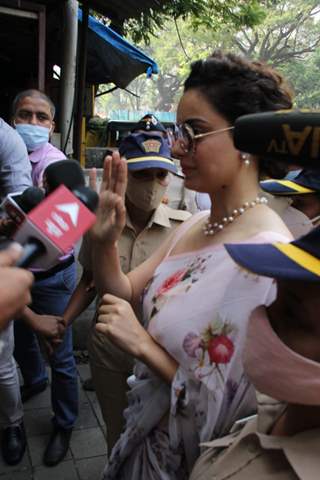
x=31, y=250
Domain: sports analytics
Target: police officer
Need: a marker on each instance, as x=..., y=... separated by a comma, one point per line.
x=296, y=198
x=178, y=196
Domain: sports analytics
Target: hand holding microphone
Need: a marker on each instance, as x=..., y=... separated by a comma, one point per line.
x=16, y=206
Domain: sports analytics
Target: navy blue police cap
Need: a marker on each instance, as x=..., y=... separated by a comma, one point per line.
x=306, y=181
x=149, y=123
x=297, y=260
x=143, y=150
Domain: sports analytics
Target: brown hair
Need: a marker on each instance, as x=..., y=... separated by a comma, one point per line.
x=235, y=86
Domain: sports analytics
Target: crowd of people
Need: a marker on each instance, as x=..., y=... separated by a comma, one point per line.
x=204, y=347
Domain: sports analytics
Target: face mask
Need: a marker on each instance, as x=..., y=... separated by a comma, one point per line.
x=146, y=195
x=297, y=222
x=276, y=370
x=33, y=136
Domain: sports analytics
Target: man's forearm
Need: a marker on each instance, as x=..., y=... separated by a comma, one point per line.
x=28, y=316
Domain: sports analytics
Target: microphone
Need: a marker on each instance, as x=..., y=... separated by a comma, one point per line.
x=55, y=225
x=291, y=136
x=87, y=196
x=64, y=172
x=30, y=198
x=16, y=205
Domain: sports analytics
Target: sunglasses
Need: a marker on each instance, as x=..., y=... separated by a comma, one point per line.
x=185, y=134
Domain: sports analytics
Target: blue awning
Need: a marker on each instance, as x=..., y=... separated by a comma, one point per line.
x=111, y=58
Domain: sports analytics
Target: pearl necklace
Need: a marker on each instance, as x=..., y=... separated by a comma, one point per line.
x=212, y=228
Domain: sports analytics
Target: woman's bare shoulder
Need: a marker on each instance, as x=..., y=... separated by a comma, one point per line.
x=266, y=219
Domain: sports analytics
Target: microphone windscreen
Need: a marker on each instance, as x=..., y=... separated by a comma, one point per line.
x=29, y=198
x=87, y=196
x=292, y=136
x=63, y=172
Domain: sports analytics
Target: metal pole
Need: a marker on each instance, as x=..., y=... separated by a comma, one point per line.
x=42, y=50
x=81, y=79
x=68, y=73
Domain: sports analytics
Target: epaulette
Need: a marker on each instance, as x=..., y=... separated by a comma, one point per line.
x=179, y=215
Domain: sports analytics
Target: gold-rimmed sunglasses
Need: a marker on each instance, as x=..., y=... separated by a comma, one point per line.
x=185, y=134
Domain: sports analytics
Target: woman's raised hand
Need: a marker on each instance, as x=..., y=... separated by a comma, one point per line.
x=111, y=213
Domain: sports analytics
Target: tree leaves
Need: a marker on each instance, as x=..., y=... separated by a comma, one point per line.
x=215, y=14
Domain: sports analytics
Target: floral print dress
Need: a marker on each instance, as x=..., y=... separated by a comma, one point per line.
x=196, y=306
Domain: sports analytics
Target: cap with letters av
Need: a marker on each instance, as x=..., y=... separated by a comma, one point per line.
x=297, y=260
x=142, y=150
x=306, y=181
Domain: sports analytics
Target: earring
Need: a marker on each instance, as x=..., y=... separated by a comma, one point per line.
x=185, y=150
x=245, y=158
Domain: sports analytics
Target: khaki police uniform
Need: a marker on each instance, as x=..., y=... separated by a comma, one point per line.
x=253, y=454
x=110, y=366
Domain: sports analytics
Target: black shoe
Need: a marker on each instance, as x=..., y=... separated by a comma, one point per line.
x=88, y=385
x=57, y=447
x=29, y=391
x=13, y=444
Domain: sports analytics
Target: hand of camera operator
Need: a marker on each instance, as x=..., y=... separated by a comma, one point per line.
x=15, y=285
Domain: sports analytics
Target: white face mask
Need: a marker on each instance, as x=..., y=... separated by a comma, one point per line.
x=297, y=222
x=146, y=195
x=34, y=136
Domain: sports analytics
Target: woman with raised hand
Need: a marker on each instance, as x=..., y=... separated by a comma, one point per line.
x=193, y=302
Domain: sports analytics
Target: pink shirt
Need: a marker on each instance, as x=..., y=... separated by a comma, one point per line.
x=41, y=158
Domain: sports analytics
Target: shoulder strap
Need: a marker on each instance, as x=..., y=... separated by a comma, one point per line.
x=179, y=215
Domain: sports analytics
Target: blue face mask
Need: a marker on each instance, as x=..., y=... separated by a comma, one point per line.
x=33, y=136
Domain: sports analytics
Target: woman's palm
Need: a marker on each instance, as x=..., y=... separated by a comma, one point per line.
x=111, y=213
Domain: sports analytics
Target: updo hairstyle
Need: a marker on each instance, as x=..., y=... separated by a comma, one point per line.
x=235, y=86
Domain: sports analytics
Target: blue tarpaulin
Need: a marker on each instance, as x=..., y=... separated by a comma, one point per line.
x=111, y=58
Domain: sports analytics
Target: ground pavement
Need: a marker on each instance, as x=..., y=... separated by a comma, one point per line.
x=87, y=453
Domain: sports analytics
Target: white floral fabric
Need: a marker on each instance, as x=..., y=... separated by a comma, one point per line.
x=196, y=306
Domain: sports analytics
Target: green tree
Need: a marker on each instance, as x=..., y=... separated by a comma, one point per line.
x=291, y=30
x=208, y=13
x=173, y=48
x=289, y=39
x=304, y=76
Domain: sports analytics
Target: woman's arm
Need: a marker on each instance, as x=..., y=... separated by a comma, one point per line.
x=118, y=322
x=104, y=235
x=158, y=360
x=108, y=276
